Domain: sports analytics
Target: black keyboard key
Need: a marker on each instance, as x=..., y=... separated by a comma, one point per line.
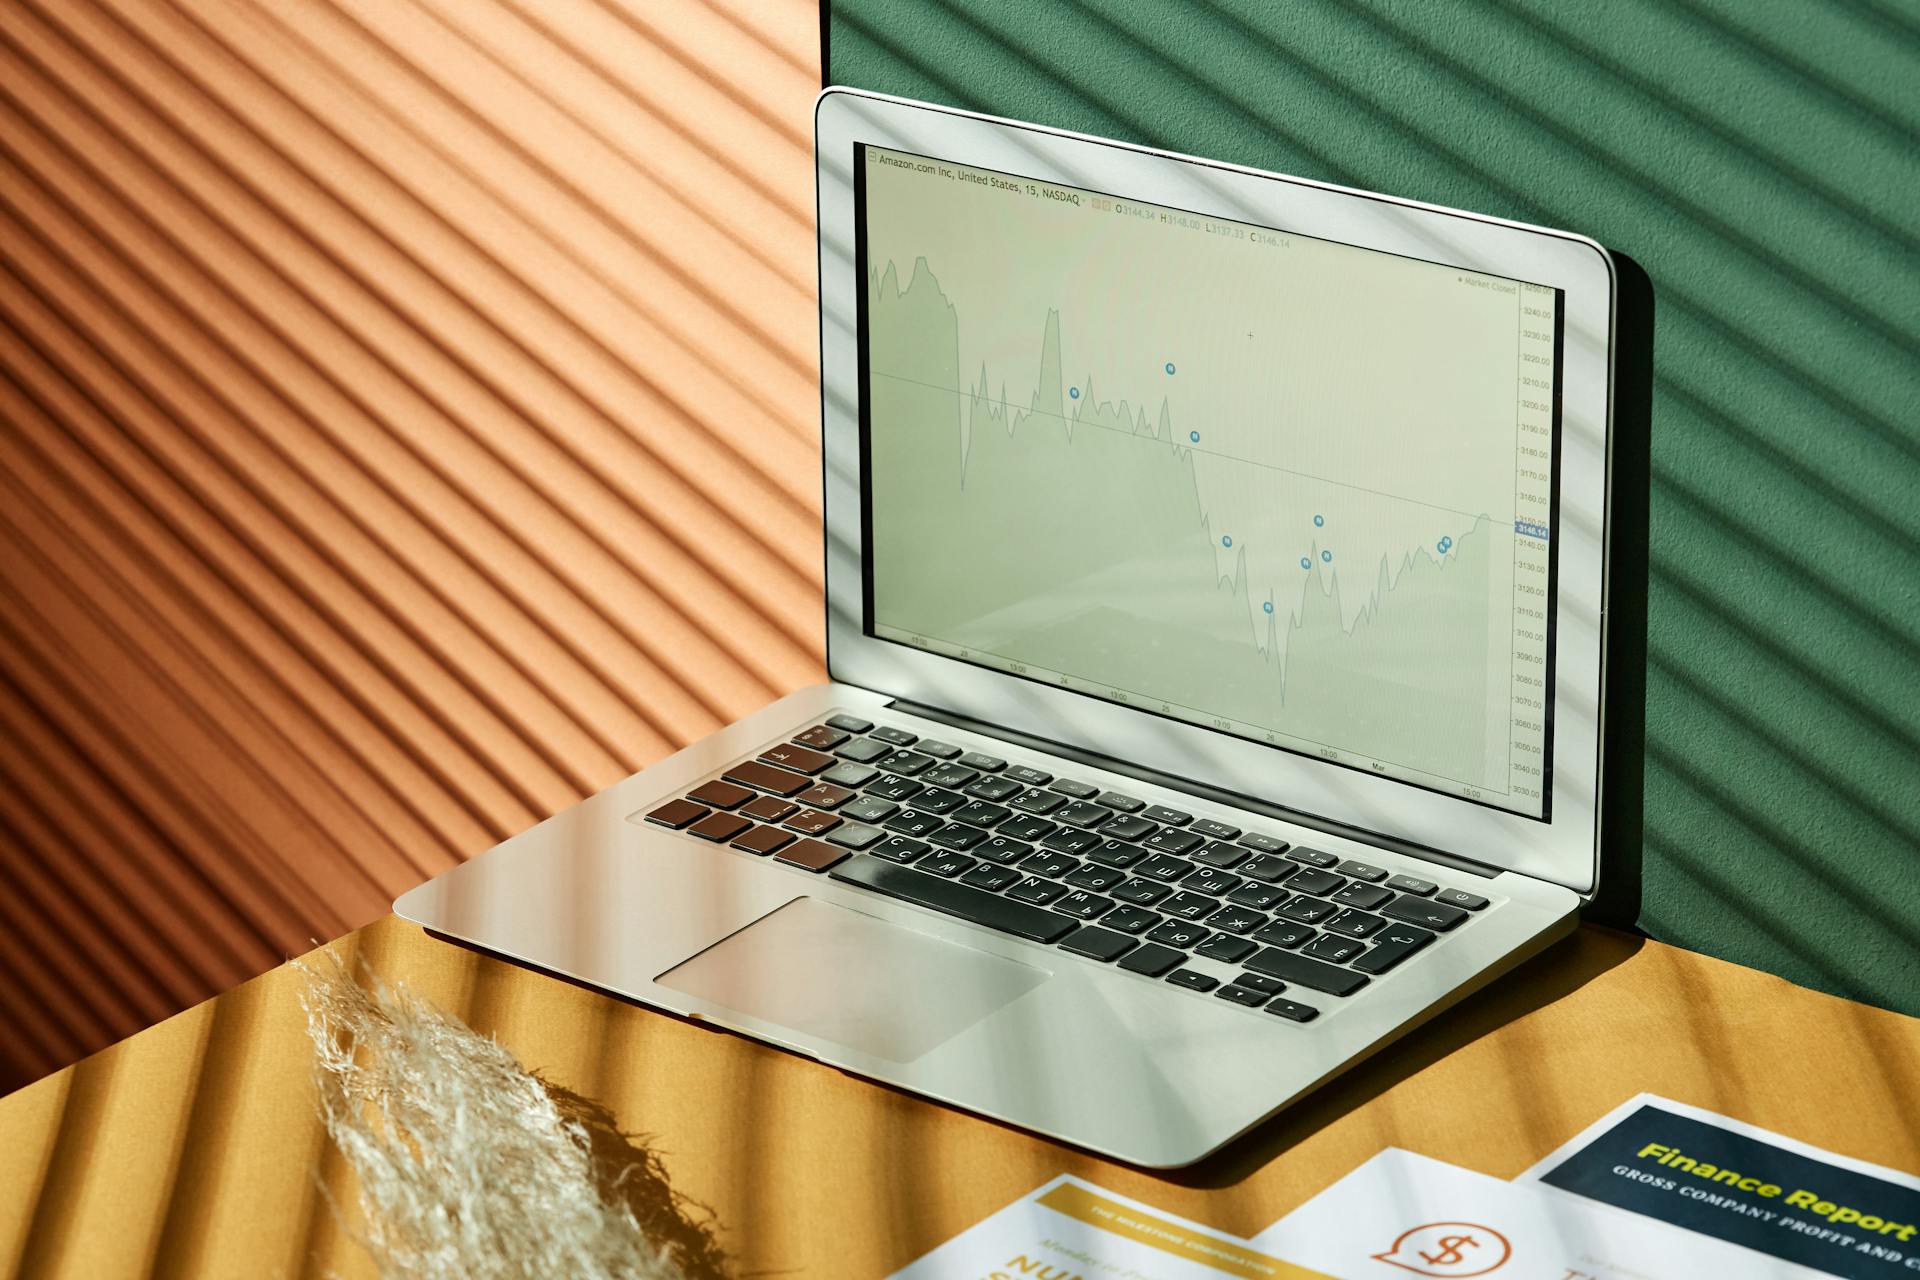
x=768, y=808
x=898, y=737
x=1314, y=881
x=1313, y=857
x=1071, y=840
x=1235, y=920
x=1356, y=924
x=1292, y=1009
x=1267, y=867
x=848, y=774
x=678, y=813
x=1095, y=877
x=1224, y=948
x=1306, y=910
x=1211, y=880
x=869, y=809
x=945, y=862
x=1166, y=817
x=1208, y=829
x=984, y=763
x=1002, y=850
x=821, y=795
x=981, y=814
x=764, y=777
x=1037, y=891
x=1117, y=853
x=1391, y=947
x=1083, y=905
x=1034, y=800
x=862, y=750
x=891, y=786
x=722, y=795
x=938, y=800
x=1083, y=814
x=1097, y=944
x=1283, y=933
x=1128, y=827
x=899, y=849
x=912, y=822
x=949, y=775
x=1364, y=896
x=1049, y=864
x=855, y=835
x=1193, y=980
x=964, y=901
x=720, y=827
x=763, y=840
x=988, y=876
x=1178, y=933
x=1131, y=919
x=1304, y=972
x=821, y=737
x=1460, y=898
x=1151, y=960
x=1189, y=906
x=1142, y=893
x=1361, y=871
x=812, y=822
x=938, y=750
x=1078, y=790
x=1031, y=777
x=1428, y=915
x=1220, y=854
x=1242, y=995
x=1261, y=982
x=1026, y=827
x=1263, y=844
x=811, y=855
x=852, y=724
x=1166, y=867
x=958, y=835
x=1172, y=841
x=908, y=763
x=1121, y=801
x=993, y=788
x=1333, y=948
x=1412, y=884
x=1261, y=897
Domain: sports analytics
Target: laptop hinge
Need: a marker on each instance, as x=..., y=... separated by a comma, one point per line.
x=1201, y=790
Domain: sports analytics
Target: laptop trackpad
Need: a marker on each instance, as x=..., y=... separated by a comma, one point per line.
x=833, y=973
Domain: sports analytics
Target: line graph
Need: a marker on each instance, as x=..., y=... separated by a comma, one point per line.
x=1062, y=530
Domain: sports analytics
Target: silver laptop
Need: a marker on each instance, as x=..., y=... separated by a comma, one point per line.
x=1215, y=575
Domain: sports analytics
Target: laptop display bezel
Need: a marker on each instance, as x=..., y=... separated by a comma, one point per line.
x=1564, y=847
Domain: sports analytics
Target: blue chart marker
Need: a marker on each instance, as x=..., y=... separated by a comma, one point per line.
x=1074, y=392
x=1318, y=521
x=1194, y=436
x=1226, y=541
x=1268, y=606
x=1326, y=557
x=1169, y=366
x=1445, y=545
x=1305, y=563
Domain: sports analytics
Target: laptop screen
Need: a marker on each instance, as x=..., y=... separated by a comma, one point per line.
x=1284, y=488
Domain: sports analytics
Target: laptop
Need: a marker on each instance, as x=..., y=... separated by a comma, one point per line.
x=1215, y=572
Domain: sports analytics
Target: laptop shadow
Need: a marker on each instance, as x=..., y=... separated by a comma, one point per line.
x=1551, y=976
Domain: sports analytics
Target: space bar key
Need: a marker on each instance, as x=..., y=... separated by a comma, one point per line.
x=960, y=900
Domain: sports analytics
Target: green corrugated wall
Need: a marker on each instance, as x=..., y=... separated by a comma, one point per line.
x=1760, y=161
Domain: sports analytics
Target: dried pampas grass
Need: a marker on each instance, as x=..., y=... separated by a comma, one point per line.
x=470, y=1167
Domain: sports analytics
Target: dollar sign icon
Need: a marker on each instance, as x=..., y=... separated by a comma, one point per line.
x=1451, y=1251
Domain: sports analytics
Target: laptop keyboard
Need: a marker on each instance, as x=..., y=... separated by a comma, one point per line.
x=1097, y=873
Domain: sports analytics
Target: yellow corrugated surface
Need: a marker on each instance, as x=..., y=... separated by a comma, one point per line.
x=408, y=425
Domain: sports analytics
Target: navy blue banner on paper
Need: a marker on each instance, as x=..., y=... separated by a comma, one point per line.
x=1750, y=1192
